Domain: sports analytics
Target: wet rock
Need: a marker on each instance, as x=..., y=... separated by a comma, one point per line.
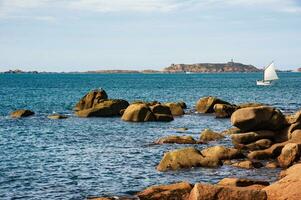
x=246, y=138
x=287, y=188
x=202, y=191
x=176, y=109
x=177, y=191
x=138, y=113
x=209, y=135
x=21, y=113
x=224, y=110
x=91, y=99
x=258, y=145
x=161, y=112
x=104, y=108
x=57, y=116
x=176, y=139
x=186, y=158
x=241, y=182
x=206, y=104
x=222, y=153
x=258, y=118
x=247, y=164
x=289, y=154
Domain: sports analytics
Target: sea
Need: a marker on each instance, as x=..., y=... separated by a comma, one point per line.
x=77, y=158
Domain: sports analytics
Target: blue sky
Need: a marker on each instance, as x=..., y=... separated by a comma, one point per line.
x=80, y=35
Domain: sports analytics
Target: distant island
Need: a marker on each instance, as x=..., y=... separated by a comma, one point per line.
x=173, y=68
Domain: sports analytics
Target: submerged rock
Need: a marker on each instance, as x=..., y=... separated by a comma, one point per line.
x=258, y=118
x=21, y=113
x=186, y=158
x=57, y=116
x=206, y=104
x=202, y=191
x=176, y=139
x=177, y=191
x=209, y=135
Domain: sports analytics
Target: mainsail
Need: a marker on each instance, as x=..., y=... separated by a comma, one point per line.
x=270, y=73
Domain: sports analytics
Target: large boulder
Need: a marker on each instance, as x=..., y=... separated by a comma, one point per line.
x=222, y=153
x=241, y=182
x=138, y=112
x=287, y=188
x=289, y=154
x=246, y=138
x=296, y=117
x=91, y=99
x=162, y=112
x=104, y=108
x=21, y=113
x=202, y=191
x=206, y=104
x=176, y=139
x=224, y=110
x=209, y=135
x=176, y=108
x=186, y=158
x=177, y=191
x=258, y=118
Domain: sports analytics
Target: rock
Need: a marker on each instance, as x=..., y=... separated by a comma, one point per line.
x=104, y=108
x=209, y=135
x=258, y=145
x=138, y=113
x=162, y=112
x=183, y=104
x=247, y=164
x=258, y=118
x=91, y=99
x=231, y=131
x=296, y=135
x=249, y=105
x=183, y=129
x=288, y=187
x=289, y=154
x=177, y=191
x=271, y=165
x=186, y=158
x=57, y=116
x=176, y=109
x=224, y=110
x=246, y=138
x=222, y=153
x=206, y=104
x=272, y=152
x=21, y=113
x=241, y=182
x=296, y=117
x=176, y=139
x=202, y=191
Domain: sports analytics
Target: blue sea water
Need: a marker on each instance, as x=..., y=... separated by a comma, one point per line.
x=77, y=157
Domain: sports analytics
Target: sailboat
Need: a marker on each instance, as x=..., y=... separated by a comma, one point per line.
x=269, y=75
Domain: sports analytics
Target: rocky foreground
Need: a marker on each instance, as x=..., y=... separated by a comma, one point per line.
x=262, y=136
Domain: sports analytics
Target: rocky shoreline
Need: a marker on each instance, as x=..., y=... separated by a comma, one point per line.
x=262, y=136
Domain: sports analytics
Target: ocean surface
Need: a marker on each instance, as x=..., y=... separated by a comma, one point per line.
x=78, y=158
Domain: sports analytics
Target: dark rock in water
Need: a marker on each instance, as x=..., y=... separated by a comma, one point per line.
x=206, y=104
x=176, y=108
x=209, y=135
x=248, y=164
x=203, y=191
x=258, y=118
x=176, y=139
x=224, y=110
x=91, y=99
x=176, y=191
x=104, y=108
x=289, y=154
x=162, y=112
x=242, y=182
x=182, y=104
x=57, y=116
x=186, y=158
x=21, y=113
x=138, y=113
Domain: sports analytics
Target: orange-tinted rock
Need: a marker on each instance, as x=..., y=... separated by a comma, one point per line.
x=222, y=153
x=272, y=152
x=91, y=99
x=177, y=191
x=289, y=154
x=176, y=139
x=161, y=112
x=206, y=104
x=249, y=137
x=247, y=164
x=224, y=110
x=138, y=113
x=21, y=113
x=176, y=108
x=241, y=182
x=209, y=135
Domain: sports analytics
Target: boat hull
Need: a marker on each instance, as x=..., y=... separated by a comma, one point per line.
x=264, y=83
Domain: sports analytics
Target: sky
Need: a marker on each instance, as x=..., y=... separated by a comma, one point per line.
x=81, y=35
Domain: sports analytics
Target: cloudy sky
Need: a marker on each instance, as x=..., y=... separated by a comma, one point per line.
x=79, y=35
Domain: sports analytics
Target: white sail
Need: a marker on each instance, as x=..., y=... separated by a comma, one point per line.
x=270, y=73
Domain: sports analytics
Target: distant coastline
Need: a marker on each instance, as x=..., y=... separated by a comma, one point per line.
x=228, y=67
